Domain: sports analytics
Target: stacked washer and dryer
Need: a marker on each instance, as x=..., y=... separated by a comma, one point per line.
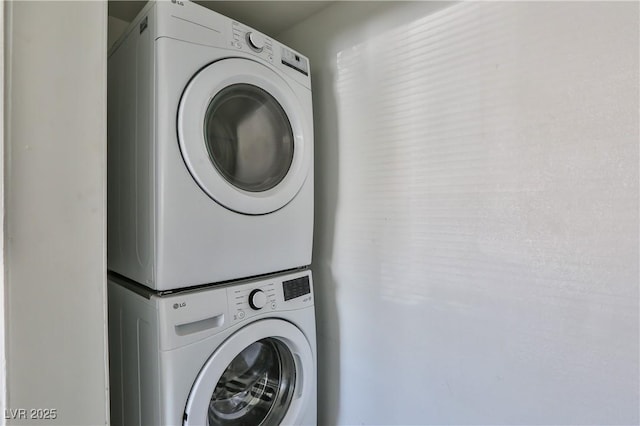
x=210, y=221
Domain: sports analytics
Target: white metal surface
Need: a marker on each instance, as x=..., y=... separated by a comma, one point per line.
x=169, y=227
x=167, y=353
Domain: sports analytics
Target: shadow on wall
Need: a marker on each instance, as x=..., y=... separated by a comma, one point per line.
x=327, y=179
x=326, y=196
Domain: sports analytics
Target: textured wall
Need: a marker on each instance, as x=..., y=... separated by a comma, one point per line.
x=476, y=247
x=55, y=212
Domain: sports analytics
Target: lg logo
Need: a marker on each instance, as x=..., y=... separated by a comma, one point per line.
x=179, y=305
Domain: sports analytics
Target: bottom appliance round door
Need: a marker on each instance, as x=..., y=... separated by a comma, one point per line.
x=261, y=375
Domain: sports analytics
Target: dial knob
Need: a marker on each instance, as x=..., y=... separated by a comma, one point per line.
x=257, y=299
x=255, y=41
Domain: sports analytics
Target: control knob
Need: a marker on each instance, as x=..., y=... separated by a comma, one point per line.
x=257, y=299
x=255, y=41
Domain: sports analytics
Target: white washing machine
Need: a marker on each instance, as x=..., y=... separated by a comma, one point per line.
x=210, y=150
x=239, y=354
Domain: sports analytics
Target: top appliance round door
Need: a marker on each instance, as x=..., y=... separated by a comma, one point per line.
x=242, y=133
x=262, y=375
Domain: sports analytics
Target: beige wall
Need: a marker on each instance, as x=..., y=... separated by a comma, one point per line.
x=476, y=241
x=55, y=210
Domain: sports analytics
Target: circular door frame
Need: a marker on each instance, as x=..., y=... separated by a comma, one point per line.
x=195, y=100
x=204, y=385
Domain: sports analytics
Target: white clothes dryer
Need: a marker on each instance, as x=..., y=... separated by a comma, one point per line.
x=210, y=150
x=238, y=354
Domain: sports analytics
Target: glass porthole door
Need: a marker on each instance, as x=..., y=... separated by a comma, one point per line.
x=262, y=375
x=256, y=388
x=243, y=136
x=248, y=137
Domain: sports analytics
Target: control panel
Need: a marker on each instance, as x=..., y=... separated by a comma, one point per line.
x=189, y=315
x=246, y=39
x=295, y=61
x=247, y=300
x=269, y=295
x=296, y=287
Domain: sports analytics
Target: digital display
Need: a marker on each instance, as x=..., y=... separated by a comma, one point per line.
x=295, y=61
x=296, y=288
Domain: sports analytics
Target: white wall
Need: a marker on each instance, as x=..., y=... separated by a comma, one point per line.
x=476, y=246
x=55, y=210
x=3, y=370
